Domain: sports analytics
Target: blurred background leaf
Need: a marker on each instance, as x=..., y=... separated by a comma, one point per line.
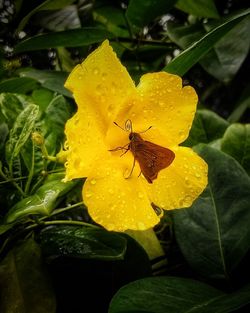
x=213, y=233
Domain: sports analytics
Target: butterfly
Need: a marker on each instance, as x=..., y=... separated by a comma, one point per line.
x=151, y=157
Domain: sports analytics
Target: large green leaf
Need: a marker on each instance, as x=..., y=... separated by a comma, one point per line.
x=46, y=5
x=214, y=233
x=141, y=12
x=52, y=80
x=200, y=8
x=241, y=105
x=113, y=19
x=193, y=54
x=59, y=20
x=18, y=85
x=43, y=201
x=10, y=107
x=236, y=142
x=175, y=295
x=207, y=126
x=82, y=242
x=68, y=38
x=55, y=117
x=20, y=132
x=221, y=61
x=24, y=283
x=224, y=61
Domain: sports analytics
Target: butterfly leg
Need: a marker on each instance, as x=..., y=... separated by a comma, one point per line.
x=126, y=148
x=133, y=166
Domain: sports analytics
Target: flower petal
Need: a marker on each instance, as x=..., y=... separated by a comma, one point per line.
x=162, y=103
x=115, y=202
x=84, y=145
x=181, y=183
x=100, y=83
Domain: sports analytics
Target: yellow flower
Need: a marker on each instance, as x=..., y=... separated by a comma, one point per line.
x=162, y=110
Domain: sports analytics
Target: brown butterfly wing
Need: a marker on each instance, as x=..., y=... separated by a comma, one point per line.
x=151, y=157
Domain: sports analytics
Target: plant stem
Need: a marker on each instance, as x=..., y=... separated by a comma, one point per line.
x=61, y=222
x=31, y=172
x=13, y=182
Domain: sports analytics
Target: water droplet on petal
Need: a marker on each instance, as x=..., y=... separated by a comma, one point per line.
x=140, y=195
x=111, y=191
x=111, y=226
x=96, y=71
x=89, y=194
x=141, y=226
x=93, y=181
x=104, y=75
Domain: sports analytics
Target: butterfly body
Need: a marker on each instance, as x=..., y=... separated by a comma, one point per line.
x=151, y=157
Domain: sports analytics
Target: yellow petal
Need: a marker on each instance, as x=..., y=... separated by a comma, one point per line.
x=115, y=202
x=101, y=83
x=162, y=103
x=84, y=143
x=181, y=183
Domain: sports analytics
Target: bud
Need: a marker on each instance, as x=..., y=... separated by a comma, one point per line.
x=37, y=138
x=61, y=156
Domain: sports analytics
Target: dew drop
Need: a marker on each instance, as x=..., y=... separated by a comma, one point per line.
x=198, y=175
x=140, y=195
x=111, y=226
x=96, y=71
x=89, y=194
x=111, y=191
x=93, y=181
x=187, y=200
x=104, y=75
x=141, y=226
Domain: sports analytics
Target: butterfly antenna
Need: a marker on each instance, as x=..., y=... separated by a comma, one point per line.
x=145, y=130
x=119, y=126
x=128, y=126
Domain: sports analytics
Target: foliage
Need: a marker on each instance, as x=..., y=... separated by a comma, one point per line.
x=49, y=246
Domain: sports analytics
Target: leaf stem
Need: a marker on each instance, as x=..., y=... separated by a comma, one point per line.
x=31, y=172
x=61, y=222
x=13, y=182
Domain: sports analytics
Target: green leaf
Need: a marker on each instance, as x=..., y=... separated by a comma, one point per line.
x=59, y=20
x=82, y=242
x=236, y=142
x=20, y=132
x=221, y=62
x=10, y=107
x=224, y=61
x=46, y=5
x=51, y=80
x=42, y=97
x=162, y=294
x=241, y=106
x=18, y=85
x=113, y=19
x=207, y=126
x=43, y=201
x=189, y=57
x=142, y=12
x=200, y=8
x=214, y=233
x=175, y=295
x=55, y=117
x=24, y=283
x=68, y=38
